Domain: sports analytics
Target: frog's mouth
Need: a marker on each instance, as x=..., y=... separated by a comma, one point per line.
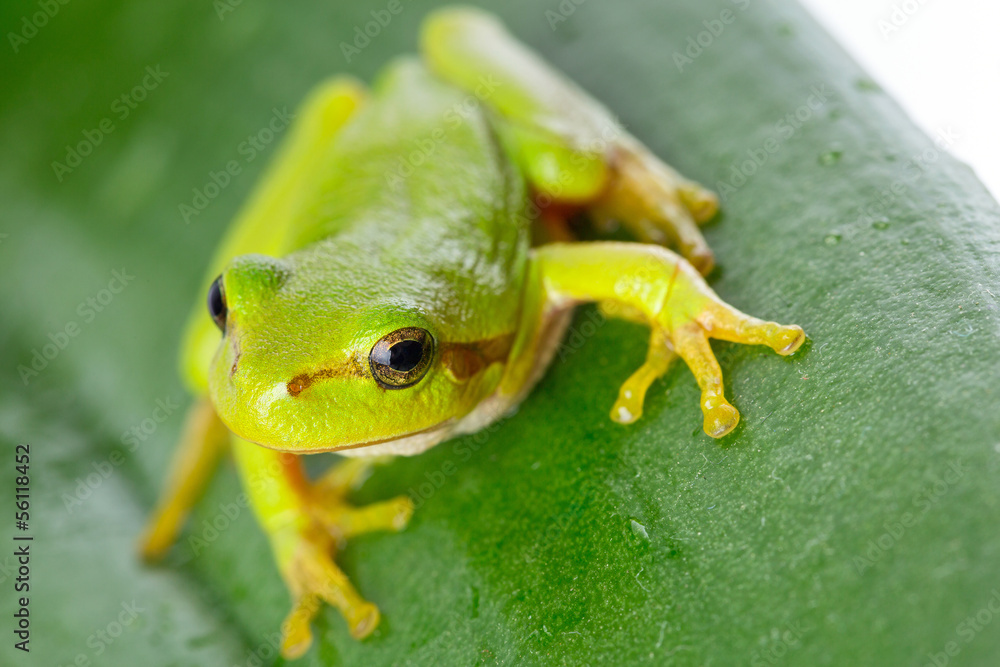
x=408, y=444
x=405, y=445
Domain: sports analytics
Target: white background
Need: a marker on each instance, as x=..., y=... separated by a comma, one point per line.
x=940, y=59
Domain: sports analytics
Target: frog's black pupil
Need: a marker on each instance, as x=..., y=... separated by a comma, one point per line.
x=405, y=355
x=217, y=303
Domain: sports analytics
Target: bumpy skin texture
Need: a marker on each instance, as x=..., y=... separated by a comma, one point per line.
x=410, y=210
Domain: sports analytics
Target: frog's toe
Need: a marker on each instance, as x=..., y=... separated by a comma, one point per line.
x=701, y=202
x=313, y=578
x=691, y=343
x=632, y=395
x=344, y=521
x=789, y=340
x=719, y=320
x=681, y=229
x=296, y=635
x=726, y=323
x=720, y=417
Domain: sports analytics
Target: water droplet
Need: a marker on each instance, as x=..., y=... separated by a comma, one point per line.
x=830, y=157
x=832, y=239
x=881, y=225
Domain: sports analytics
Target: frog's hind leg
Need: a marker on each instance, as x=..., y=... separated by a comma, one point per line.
x=306, y=523
x=570, y=147
x=657, y=204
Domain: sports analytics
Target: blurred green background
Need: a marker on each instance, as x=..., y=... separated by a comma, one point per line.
x=851, y=519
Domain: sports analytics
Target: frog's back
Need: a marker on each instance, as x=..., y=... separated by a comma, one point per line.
x=418, y=189
x=417, y=138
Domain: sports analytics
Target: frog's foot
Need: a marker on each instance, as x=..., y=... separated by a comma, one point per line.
x=691, y=343
x=313, y=578
x=678, y=333
x=650, y=284
x=306, y=560
x=659, y=205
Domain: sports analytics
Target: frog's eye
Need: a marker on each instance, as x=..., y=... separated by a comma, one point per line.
x=217, y=304
x=401, y=358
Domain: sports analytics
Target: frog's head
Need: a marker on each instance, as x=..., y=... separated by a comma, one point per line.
x=319, y=361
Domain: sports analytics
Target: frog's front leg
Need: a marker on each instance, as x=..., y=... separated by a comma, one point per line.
x=662, y=289
x=305, y=523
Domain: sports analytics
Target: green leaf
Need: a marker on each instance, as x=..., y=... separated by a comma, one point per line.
x=851, y=519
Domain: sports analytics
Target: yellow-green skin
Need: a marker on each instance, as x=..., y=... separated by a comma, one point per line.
x=410, y=213
x=407, y=208
x=369, y=251
x=411, y=206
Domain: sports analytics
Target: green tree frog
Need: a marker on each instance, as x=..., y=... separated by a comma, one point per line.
x=383, y=290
